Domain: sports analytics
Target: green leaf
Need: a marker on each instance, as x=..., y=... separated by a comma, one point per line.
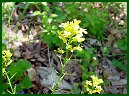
x=19, y=67
x=88, y=57
x=122, y=44
x=18, y=88
x=44, y=19
x=80, y=54
x=50, y=20
x=3, y=47
x=47, y=8
x=36, y=13
x=106, y=82
x=47, y=38
x=94, y=63
x=120, y=65
x=5, y=86
x=44, y=13
x=84, y=76
x=23, y=64
x=26, y=83
x=57, y=41
x=53, y=15
x=54, y=27
x=4, y=35
x=76, y=89
x=105, y=50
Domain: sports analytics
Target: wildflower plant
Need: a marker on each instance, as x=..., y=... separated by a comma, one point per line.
x=11, y=72
x=71, y=35
x=6, y=61
x=93, y=86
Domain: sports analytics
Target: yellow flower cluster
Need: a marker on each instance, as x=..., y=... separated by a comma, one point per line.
x=72, y=33
x=6, y=59
x=60, y=51
x=94, y=85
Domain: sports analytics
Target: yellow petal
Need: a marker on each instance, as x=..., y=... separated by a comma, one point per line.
x=60, y=51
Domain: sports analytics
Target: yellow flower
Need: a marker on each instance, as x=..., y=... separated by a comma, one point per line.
x=82, y=31
x=62, y=37
x=9, y=62
x=78, y=38
x=76, y=27
x=90, y=91
x=66, y=34
x=6, y=53
x=98, y=89
x=93, y=86
x=6, y=59
x=71, y=33
x=69, y=47
x=88, y=83
x=60, y=51
x=96, y=80
x=72, y=26
x=3, y=70
x=77, y=48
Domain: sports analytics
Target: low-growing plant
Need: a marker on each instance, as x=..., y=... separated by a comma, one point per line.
x=50, y=26
x=72, y=36
x=120, y=65
x=76, y=89
x=12, y=73
x=93, y=86
x=6, y=61
x=121, y=62
x=94, y=20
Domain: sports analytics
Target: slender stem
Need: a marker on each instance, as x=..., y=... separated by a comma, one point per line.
x=66, y=54
x=58, y=82
x=9, y=82
x=10, y=18
x=62, y=73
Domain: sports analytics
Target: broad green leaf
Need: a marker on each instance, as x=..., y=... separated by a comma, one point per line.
x=18, y=88
x=19, y=67
x=26, y=82
x=5, y=86
x=44, y=13
x=57, y=41
x=23, y=65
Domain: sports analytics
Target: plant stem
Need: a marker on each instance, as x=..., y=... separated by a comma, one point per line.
x=9, y=82
x=8, y=24
x=62, y=73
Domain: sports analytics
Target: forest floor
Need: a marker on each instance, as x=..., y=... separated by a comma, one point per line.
x=105, y=58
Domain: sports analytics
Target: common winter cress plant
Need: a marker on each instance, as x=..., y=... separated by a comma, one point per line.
x=72, y=35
